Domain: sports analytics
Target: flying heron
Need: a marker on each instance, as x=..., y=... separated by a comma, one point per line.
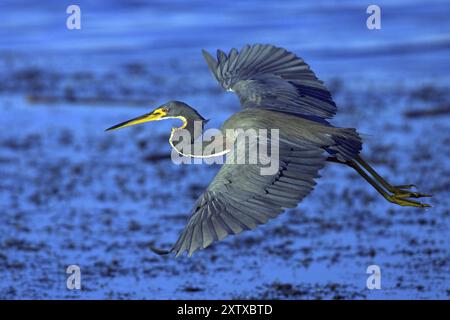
x=278, y=90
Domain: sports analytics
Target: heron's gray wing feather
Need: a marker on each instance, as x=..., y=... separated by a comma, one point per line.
x=265, y=76
x=240, y=198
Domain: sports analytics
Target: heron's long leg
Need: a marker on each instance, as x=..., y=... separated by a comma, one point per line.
x=391, y=198
x=397, y=190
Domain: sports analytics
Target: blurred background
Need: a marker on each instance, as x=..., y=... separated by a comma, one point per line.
x=72, y=194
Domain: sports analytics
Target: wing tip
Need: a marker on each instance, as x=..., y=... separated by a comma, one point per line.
x=178, y=252
x=209, y=58
x=161, y=252
x=211, y=62
x=205, y=53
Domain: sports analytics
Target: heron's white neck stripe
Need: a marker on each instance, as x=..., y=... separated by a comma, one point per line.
x=221, y=153
x=177, y=117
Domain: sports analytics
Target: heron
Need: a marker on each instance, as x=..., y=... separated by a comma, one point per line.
x=276, y=89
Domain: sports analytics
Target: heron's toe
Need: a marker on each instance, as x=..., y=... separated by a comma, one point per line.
x=407, y=194
x=401, y=201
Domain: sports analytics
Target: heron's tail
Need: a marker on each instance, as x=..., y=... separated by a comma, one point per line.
x=347, y=144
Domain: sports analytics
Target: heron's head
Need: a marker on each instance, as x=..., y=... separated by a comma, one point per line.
x=170, y=110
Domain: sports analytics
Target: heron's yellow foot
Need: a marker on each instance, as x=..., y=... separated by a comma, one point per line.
x=403, y=192
x=407, y=194
x=401, y=201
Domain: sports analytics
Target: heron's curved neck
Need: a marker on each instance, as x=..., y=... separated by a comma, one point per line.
x=196, y=148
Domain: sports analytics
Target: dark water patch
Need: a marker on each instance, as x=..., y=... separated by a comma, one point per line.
x=280, y=290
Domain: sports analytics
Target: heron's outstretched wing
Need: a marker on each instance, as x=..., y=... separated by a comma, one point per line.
x=240, y=198
x=265, y=76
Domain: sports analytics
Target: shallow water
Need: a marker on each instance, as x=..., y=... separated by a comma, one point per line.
x=72, y=194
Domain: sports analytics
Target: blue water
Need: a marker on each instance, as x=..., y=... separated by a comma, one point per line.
x=71, y=194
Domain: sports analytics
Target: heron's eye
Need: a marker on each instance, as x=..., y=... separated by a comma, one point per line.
x=165, y=110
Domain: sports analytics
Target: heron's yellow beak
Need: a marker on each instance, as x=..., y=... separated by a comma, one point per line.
x=153, y=116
